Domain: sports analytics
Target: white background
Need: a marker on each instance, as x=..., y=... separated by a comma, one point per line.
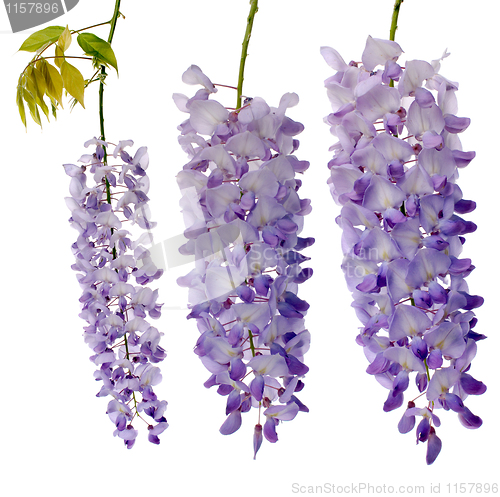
x=56, y=437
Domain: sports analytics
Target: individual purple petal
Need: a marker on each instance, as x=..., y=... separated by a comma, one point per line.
x=392, y=148
x=427, y=264
x=394, y=400
x=469, y=420
x=441, y=382
x=283, y=412
x=435, y=359
x=358, y=215
x=405, y=358
x=440, y=162
x=206, y=115
x=416, y=181
x=421, y=381
x=420, y=120
x=423, y=429
x=454, y=124
x=448, y=337
x=257, y=439
x=406, y=423
x=407, y=320
x=437, y=293
x=257, y=387
x=462, y=159
x=473, y=301
x=381, y=194
x=246, y=145
x=270, y=430
x=419, y=347
x=397, y=286
x=219, y=198
x=272, y=365
x=378, y=52
x=377, y=102
x=401, y=382
x=453, y=402
x=424, y=97
x=464, y=206
x=195, y=76
x=434, y=445
x=416, y=72
x=408, y=237
x=379, y=365
x=266, y=212
x=471, y=386
x=232, y=423
x=333, y=59
x=422, y=299
x=432, y=139
x=256, y=109
x=233, y=401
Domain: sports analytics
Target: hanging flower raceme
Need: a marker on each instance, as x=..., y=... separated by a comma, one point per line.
x=394, y=174
x=243, y=216
x=114, y=271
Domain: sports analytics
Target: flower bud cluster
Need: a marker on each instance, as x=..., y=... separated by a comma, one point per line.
x=114, y=271
x=394, y=173
x=243, y=216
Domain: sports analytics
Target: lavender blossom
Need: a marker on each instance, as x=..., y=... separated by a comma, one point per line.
x=243, y=216
x=108, y=259
x=394, y=173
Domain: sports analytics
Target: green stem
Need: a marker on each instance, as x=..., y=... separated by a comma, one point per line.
x=113, y=21
x=427, y=370
x=244, y=50
x=90, y=27
x=394, y=24
x=252, y=346
x=116, y=14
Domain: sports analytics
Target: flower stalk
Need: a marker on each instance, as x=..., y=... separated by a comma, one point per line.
x=394, y=23
x=244, y=50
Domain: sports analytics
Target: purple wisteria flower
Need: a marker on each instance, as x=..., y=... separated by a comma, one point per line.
x=394, y=173
x=244, y=216
x=114, y=270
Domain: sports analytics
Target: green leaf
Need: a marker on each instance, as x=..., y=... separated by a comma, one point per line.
x=40, y=38
x=64, y=40
x=36, y=85
x=53, y=80
x=20, y=104
x=97, y=47
x=73, y=81
x=39, y=81
x=30, y=100
x=58, y=61
x=53, y=106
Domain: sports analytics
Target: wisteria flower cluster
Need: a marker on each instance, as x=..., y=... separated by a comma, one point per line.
x=394, y=173
x=108, y=260
x=243, y=216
